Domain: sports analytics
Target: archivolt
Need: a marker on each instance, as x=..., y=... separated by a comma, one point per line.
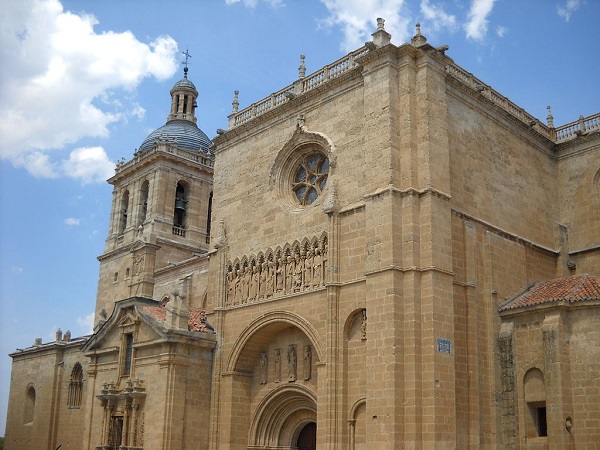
x=281, y=414
x=275, y=319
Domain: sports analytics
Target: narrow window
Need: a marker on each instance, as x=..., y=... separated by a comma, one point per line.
x=144, y=202
x=128, y=354
x=542, y=424
x=29, y=407
x=180, y=207
x=116, y=277
x=124, y=211
x=185, y=104
x=75, y=387
x=208, y=217
x=127, y=273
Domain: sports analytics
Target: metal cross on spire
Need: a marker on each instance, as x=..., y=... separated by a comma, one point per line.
x=185, y=63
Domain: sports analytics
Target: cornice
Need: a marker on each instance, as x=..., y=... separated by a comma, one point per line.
x=501, y=116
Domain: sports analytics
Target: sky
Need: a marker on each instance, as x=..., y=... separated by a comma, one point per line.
x=83, y=82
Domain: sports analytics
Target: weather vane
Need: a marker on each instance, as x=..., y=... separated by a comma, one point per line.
x=185, y=63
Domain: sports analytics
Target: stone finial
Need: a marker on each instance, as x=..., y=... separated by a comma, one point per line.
x=221, y=239
x=302, y=67
x=331, y=200
x=550, y=118
x=418, y=39
x=235, y=103
x=37, y=342
x=67, y=336
x=59, y=335
x=177, y=312
x=381, y=37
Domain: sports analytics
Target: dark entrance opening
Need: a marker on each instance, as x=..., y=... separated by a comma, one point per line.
x=116, y=432
x=307, y=439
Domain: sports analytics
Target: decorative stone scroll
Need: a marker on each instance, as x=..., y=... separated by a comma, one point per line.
x=295, y=268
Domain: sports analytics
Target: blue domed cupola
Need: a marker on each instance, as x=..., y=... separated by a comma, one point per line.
x=181, y=128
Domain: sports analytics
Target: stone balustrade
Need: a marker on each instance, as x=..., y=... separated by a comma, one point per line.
x=166, y=147
x=578, y=127
x=301, y=86
x=342, y=65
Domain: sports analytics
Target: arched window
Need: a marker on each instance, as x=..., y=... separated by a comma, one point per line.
x=29, y=407
x=124, y=211
x=144, y=202
x=75, y=387
x=179, y=213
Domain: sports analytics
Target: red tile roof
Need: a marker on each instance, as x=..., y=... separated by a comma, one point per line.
x=197, y=320
x=578, y=288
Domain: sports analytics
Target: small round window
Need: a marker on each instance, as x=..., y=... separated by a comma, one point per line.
x=310, y=178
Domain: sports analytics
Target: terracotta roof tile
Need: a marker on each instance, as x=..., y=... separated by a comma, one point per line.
x=197, y=320
x=578, y=288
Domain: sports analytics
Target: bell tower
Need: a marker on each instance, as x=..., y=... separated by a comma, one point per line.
x=161, y=203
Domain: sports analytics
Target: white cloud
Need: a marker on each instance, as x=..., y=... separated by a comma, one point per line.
x=16, y=269
x=501, y=31
x=436, y=17
x=358, y=20
x=89, y=165
x=567, y=11
x=476, y=27
x=72, y=221
x=37, y=164
x=56, y=75
x=86, y=324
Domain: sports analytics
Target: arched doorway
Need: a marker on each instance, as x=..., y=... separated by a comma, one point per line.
x=307, y=439
x=286, y=418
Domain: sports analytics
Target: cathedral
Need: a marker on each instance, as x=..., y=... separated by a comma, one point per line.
x=385, y=254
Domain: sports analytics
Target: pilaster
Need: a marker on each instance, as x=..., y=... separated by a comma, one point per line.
x=558, y=396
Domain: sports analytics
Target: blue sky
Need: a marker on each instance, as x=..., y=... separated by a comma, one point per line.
x=83, y=82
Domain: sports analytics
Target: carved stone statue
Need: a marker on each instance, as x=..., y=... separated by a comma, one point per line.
x=238, y=287
x=253, y=291
x=277, y=365
x=246, y=284
x=230, y=287
x=263, y=368
x=269, y=288
x=280, y=275
x=298, y=269
x=307, y=362
x=290, y=267
x=292, y=363
x=264, y=273
x=308, y=268
x=363, y=325
x=318, y=268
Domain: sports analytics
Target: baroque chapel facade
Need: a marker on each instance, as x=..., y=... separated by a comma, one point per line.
x=396, y=256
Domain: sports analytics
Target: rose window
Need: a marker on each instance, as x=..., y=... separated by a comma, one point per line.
x=310, y=178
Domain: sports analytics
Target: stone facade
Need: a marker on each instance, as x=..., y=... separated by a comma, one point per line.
x=370, y=224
